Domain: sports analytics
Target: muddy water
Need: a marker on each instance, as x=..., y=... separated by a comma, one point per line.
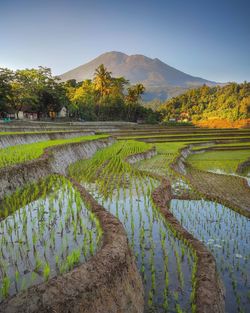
x=164, y=262
x=227, y=235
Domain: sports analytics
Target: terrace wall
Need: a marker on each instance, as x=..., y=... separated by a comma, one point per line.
x=29, y=126
x=54, y=160
x=229, y=190
x=141, y=156
x=209, y=297
x=243, y=166
x=20, y=139
x=109, y=282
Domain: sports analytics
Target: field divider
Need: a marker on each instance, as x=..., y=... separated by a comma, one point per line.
x=108, y=282
x=232, y=191
x=54, y=160
x=209, y=290
x=10, y=140
x=242, y=166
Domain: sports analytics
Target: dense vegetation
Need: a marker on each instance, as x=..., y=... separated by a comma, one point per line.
x=47, y=228
x=113, y=98
x=103, y=98
x=32, y=90
x=229, y=102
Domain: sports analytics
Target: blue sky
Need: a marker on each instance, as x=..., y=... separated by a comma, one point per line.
x=210, y=39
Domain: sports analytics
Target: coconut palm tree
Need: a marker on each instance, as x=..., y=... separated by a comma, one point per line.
x=102, y=80
x=134, y=93
x=118, y=84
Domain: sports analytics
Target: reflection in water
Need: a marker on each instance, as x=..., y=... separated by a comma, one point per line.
x=227, y=235
x=46, y=237
x=164, y=261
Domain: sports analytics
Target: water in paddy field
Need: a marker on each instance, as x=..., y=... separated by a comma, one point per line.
x=164, y=262
x=46, y=237
x=227, y=235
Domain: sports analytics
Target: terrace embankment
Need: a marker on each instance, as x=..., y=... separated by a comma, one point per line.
x=242, y=167
x=141, y=156
x=229, y=190
x=108, y=283
x=42, y=126
x=20, y=139
x=54, y=160
x=209, y=292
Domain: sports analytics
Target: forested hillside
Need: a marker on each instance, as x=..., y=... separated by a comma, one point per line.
x=230, y=102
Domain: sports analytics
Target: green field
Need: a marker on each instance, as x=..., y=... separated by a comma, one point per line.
x=23, y=153
x=51, y=219
x=224, y=161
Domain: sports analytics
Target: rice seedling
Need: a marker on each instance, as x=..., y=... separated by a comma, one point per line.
x=54, y=225
x=129, y=198
x=5, y=287
x=226, y=234
x=23, y=153
x=219, y=161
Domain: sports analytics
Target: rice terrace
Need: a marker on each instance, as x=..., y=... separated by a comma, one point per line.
x=124, y=156
x=133, y=217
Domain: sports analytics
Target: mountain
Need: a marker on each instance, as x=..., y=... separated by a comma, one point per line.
x=161, y=80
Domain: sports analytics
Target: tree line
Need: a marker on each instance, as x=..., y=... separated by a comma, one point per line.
x=230, y=102
x=103, y=98
x=112, y=98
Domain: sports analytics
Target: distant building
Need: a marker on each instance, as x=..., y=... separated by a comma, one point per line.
x=63, y=112
x=184, y=117
x=20, y=115
x=28, y=115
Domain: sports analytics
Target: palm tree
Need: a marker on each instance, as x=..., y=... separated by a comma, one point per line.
x=134, y=93
x=140, y=89
x=102, y=80
x=118, y=85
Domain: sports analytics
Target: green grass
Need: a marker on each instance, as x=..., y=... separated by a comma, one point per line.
x=39, y=132
x=221, y=145
x=226, y=161
x=109, y=160
x=159, y=164
x=185, y=135
x=22, y=153
x=167, y=147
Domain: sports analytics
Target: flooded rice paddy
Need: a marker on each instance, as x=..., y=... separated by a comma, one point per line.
x=46, y=237
x=164, y=262
x=227, y=235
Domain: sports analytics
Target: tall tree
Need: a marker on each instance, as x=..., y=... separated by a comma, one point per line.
x=24, y=88
x=134, y=93
x=102, y=80
x=83, y=100
x=6, y=77
x=118, y=86
x=132, y=100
